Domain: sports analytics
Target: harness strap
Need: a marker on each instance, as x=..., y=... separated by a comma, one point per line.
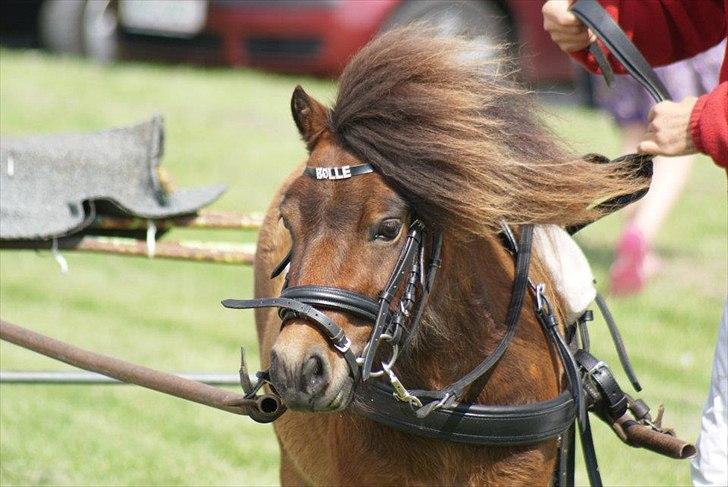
x=520, y=284
x=590, y=455
x=428, y=281
x=606, y=29
x=334, y=298
x=550, y=325
x=277, y=270
x=618, y=343
x=410, y=253
x=331, y=330
x=338, y=172
x=474, y=424
x=564, y=473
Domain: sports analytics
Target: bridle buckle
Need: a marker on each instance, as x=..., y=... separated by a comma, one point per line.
x=597, y=367
x=343, y=347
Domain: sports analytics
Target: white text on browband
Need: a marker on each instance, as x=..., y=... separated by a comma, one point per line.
x=343, y=172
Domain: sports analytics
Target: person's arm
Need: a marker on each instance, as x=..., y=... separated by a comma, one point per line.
x=656, y=27
x=709, y=124
x=665, y=31
x=689, y=126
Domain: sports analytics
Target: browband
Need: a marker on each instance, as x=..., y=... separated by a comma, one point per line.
x=337, y=172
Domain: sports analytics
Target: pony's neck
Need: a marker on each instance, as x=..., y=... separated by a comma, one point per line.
x=465, y=320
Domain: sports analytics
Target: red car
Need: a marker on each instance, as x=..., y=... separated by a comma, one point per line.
x=306, y=36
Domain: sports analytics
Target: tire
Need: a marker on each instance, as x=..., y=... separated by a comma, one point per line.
x=60, y=26
x=101, y=31
x=80, y=27
x=482, y=20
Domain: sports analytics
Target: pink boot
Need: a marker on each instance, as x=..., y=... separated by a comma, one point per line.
x=627, y=275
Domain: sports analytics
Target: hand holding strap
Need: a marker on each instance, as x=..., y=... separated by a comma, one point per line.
x=606, y=29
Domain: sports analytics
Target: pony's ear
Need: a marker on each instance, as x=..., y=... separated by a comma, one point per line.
x=311, y=117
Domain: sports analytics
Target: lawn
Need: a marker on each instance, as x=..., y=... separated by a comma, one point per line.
x=234, y=127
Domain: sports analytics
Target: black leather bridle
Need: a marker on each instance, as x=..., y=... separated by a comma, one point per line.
x=397, y=304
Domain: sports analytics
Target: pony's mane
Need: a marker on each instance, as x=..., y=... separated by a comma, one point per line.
x=451, y=131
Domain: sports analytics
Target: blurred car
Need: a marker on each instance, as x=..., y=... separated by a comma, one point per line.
x=303, y=36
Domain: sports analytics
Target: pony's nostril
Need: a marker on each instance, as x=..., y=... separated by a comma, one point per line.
x=276, y=371
x=314, y=374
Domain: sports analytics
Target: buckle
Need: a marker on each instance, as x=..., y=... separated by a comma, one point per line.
x=343, y=348
x=542, y=304
x=597, y=367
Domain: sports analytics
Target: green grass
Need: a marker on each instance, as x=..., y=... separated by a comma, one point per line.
x=234, y=127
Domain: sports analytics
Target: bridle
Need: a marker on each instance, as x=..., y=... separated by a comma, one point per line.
x=395, y=313
x=398, y=310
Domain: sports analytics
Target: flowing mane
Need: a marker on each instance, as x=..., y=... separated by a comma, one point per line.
x=460, y=140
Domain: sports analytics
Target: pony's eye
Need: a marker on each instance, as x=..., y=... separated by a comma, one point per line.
x=284, y=221
x=388, y=229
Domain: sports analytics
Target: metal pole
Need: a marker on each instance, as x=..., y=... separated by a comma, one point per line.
x=264, y=408
x=83, y=378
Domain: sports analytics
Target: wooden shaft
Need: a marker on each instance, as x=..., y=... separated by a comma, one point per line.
x=218, y=252
x=203, y=219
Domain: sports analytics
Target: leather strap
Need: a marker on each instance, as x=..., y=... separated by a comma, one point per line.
x=618, y=343
x=410, y=252
x=590, y=455
x=331, y=330
x=606, y=29
x=334, y=298
x=277, y=270
x=520, y=284
x=475, y=424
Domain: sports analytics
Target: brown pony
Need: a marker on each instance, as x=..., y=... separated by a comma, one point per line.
x=455, y=142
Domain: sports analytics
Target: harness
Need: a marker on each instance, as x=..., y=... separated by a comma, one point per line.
x=397, y=311
x=396, y=315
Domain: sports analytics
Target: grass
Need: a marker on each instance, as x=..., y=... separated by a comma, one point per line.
x=234, y=127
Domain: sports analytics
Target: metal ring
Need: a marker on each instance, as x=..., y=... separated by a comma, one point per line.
x=387, y=365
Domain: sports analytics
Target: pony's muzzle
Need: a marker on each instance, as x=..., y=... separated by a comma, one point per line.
x=302, y=379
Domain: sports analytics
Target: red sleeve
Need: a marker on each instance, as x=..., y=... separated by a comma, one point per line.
x=665, y=31
x=709, y=124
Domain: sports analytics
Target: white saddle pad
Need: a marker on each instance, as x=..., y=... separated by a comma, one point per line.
x=568, y=266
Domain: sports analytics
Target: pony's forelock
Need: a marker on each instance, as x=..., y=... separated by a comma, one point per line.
x=450, y=130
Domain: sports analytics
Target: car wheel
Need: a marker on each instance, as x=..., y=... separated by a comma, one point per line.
x=481, y=20
x=80, y=27
x=101, y=31
x=60, y=26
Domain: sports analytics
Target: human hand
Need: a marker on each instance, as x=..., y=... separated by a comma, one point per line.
x=564, y=28
x=668, y=132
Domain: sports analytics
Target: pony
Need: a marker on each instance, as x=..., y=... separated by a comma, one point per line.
x=455, y=141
